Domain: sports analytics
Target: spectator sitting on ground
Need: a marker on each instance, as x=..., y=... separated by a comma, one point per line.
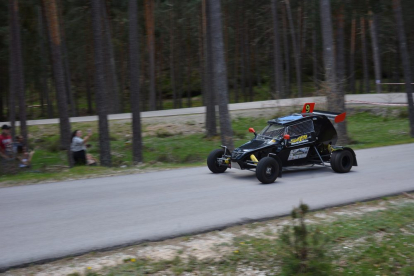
x=24, y=156
x=6, y=145
x=90, y=160
x=18, y=141
x=78, y=147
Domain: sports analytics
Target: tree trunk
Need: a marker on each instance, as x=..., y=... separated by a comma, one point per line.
x=211, y=127
x=159, y=76
x=364, y=57
x=396, y=67
x=236, y=67
x=43, y=65
x=405, y=62
x=188, y=75
x=17, y=75
x=220, y=72
x=277, y=54
x=111, y=78
x=296, y=50
x=12, y=72
x=149, y=24
x=288, y=92
x=340, y=49
x=65, y=56
x=99, y=79
x=315, y=60
x=172, y=55
x=304, y=30
x=236, y=55
x=201, y=53
x=89, y=68
x=134, y=81
x=352, y=85
x=58, y=71
x=248, y=63
x=89, y=95
x=373, y=22
x=335, y=98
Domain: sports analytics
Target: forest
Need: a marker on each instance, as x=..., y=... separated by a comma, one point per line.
x=273, y=49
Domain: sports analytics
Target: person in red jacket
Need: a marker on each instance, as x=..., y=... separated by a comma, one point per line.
x=6, y=143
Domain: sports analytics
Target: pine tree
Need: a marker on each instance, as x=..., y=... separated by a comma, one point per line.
x=58, y=71
x=220, y=71
x=405, y=62
x=134, y=81
x=99, y=78
x=16, y=65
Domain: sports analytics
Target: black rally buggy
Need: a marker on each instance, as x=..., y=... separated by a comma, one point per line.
x=307, y=138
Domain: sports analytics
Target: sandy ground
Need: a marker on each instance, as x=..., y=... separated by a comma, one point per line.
x=212, y=245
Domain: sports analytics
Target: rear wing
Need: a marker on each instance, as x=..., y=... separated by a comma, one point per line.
x=308, y=110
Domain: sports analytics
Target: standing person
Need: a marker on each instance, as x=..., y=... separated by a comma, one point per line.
x=78, y=146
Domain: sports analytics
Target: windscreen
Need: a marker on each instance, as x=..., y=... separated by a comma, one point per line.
x=272, y=131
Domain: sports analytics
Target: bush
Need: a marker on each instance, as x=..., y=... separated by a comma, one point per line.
x=166, y=158
x=9, y=167
x=191, y=158
x=52, y=144
x=162, y=133
x=304, y=248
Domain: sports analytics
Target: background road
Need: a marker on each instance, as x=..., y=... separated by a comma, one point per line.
x=391, y=99
x=47, y=221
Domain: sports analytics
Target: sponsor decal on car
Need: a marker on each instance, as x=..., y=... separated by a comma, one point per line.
x=300, y=139
x=298, y=153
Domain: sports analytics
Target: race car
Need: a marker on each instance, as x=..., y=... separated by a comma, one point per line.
x=306, y=138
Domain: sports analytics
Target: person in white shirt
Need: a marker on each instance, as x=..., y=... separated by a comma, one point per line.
x=78, y=146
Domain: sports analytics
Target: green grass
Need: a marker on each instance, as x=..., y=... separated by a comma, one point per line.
x=368, y=130
x=376, y=243
x=163, y=149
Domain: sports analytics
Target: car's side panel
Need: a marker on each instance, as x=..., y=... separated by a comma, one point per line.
x=325, y=131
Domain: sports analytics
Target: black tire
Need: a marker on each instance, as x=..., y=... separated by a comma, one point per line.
x=212, y=163
x=267, y=170
x=342, y=161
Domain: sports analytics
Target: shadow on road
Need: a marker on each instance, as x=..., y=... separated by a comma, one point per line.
x=291, y=174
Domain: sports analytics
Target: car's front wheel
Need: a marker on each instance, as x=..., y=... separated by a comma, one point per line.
x=342, y=161
x=267, y=170
x=212, y=162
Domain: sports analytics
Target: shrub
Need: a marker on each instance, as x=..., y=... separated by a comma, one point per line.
x=304, y=247
x=191, y=158
x=162, y=133
x=166, y=158
x=53, y=144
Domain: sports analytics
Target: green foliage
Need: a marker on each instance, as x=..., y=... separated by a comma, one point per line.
x=376, y=128
x=52, y=144
x=304, y=248
x=163, y=133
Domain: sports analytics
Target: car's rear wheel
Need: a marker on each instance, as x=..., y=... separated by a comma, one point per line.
x=267, y=170
x=213, y=163
x=342, y=161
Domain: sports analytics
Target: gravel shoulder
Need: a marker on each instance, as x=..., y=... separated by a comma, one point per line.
x=209, y=246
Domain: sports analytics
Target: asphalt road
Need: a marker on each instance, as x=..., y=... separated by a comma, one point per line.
x=47, y=221
x=392, y=99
